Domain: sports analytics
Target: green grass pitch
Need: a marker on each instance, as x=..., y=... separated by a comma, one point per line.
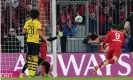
x=76, y=78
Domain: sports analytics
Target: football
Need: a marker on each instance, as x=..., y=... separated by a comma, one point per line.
x=78, y=19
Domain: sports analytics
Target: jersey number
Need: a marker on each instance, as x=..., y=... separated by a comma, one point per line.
x=31, y=29
x=117, y=36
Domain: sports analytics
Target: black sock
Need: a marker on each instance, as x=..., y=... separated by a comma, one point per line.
x=24, y=68
x=47, y=66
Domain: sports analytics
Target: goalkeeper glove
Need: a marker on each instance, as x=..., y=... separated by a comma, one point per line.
x=60, y=34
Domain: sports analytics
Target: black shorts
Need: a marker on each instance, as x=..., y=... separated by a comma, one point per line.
x=131, y=44
x=33, y=48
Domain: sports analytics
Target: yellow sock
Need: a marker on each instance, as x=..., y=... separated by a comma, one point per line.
x=34, y=65
x=30, y=59
x=30, y=68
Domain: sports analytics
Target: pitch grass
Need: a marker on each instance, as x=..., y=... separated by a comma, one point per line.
x=76, y=78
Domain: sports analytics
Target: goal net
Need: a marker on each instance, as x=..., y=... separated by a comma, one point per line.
x=14, y=13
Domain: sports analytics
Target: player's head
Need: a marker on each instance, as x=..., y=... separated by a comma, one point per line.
x=34, y=13
x=114, y=27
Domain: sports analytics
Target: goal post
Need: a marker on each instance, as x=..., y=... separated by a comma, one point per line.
x=54, y=34
x=0, y=39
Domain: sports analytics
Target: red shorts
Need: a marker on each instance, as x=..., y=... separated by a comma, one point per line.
x=113, y=51
x=43, y=50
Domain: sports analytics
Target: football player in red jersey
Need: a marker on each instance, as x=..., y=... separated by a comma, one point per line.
x=115, y=38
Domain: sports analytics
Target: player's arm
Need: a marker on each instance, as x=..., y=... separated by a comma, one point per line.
x=50, y=39
x=126, y=28
x=42, y=36
x=25, y=31
x=106, y=40
x=60, y=34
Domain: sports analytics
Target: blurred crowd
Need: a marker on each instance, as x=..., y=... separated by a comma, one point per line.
x=14, y=14
x=101, y=15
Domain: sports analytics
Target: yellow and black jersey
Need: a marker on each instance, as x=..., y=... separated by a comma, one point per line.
x=32, y=27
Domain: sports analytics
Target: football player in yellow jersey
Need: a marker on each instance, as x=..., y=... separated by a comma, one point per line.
x=41, y=61
x=33, y=29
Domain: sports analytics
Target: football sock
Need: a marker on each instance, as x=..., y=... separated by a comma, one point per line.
x=34, y=65
x=30, y=68
x=24, y=68
x=47, y=66
x=100, y=65
x=103, y=64
x=111, y=61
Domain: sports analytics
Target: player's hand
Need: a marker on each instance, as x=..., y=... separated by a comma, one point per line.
x=48, y=43
x=103, y=47
x=60, y=33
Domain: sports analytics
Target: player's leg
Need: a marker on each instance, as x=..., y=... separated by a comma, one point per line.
x=46, y=64
x=23, y=70
x=43, y=51
x=108, y=56
x=116, y=54
x=27, y=64
x=29, y=58
x=34, y=64
x=34, y=58
x=31, y=64
x=112, y=60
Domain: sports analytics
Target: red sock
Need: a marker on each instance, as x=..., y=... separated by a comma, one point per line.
x=111, y=61
x=100, y=64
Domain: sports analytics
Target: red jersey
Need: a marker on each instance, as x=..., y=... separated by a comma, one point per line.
x=114, y=38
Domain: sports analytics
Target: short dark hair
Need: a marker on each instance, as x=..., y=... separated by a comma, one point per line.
x=34, y=13
x=114, y=27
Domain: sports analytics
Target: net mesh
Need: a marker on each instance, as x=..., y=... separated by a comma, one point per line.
x=14, y=15
x=13, y=19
